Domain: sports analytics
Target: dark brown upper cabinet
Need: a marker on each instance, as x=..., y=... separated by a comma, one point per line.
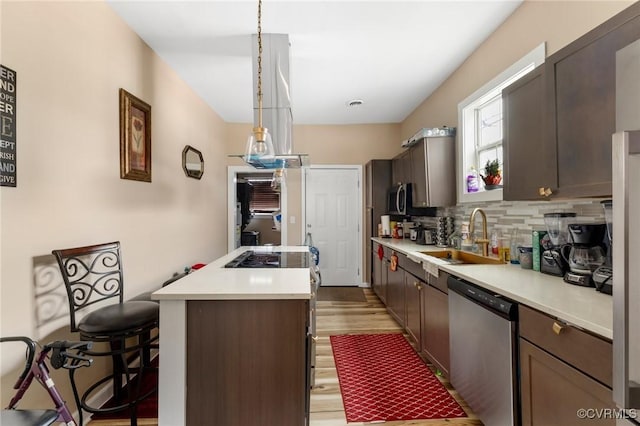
x=529, y=162
x=572, y=157
x=433, y=172
x=401, y=168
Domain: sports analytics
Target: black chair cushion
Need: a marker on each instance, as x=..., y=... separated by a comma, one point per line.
x=28, y=417
x=114, y=319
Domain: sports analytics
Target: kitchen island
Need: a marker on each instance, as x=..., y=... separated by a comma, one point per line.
x=234, y=345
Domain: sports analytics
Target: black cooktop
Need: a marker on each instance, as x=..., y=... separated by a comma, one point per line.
x=271, y=259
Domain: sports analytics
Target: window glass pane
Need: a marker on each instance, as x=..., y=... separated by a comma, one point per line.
x=484, y=156
x=490, y=122
x=489, y=155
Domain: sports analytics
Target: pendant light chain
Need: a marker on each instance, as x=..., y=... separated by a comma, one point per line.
x=260, y=63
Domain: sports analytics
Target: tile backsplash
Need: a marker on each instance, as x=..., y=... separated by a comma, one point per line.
x=524, y=216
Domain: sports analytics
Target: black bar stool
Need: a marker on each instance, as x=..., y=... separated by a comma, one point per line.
x=94, y=281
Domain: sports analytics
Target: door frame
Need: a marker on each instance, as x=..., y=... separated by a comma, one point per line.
x=232, y=176
x=360, y=204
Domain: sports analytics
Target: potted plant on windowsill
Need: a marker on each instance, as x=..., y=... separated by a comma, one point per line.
x=492, y=175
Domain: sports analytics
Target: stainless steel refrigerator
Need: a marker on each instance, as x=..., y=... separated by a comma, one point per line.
x=626, y=238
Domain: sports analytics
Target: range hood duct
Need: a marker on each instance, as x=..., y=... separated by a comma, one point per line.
x=276, y=100
x=276, y=95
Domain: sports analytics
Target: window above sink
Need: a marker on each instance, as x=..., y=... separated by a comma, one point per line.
x=480, y=128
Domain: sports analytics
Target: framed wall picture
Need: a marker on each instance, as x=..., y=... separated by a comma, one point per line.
x=135, y=138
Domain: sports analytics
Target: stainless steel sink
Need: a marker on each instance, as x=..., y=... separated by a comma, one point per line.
x=459, y=257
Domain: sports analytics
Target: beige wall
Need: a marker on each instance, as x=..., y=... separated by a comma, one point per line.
x=556, y=22
x=71, y=58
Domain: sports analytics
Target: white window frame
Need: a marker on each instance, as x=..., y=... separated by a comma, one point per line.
x=467, y=127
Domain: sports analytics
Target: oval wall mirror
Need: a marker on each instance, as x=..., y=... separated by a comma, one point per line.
x=192, y=162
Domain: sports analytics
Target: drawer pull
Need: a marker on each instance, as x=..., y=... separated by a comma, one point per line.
x=557, y=328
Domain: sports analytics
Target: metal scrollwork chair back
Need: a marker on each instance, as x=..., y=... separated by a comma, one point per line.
x=93, y=278
x=91, y=275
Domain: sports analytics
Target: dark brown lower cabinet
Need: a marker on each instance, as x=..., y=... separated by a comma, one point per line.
x=553, y=392
x=247, y=362
x=563, y=369
x=395, y=294
x=379, y=275
x=435, y=327
x=384, y=279
x=413, y=288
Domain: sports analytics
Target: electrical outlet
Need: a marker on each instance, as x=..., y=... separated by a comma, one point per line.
x=292, y=220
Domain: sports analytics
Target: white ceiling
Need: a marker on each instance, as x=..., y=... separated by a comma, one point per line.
x=390, y=54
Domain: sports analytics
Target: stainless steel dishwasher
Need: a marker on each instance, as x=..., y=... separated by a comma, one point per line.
x=484, y=356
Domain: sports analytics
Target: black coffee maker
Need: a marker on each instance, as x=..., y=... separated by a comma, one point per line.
x=603, y=276
x=551, y=261
x=585, y=253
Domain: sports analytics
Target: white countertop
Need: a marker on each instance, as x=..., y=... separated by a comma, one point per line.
x=215, y=282
x=583, y=307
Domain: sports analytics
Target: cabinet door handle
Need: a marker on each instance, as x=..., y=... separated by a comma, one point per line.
x=544, y=192
x=557, y=328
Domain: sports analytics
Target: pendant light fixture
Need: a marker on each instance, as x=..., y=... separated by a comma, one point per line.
x=269, y=144
x=259, y=144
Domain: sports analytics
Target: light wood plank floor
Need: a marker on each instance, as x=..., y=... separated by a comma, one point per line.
x=326, y=401
x=352, y=318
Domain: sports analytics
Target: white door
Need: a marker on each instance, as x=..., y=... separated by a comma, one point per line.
x=332, y=210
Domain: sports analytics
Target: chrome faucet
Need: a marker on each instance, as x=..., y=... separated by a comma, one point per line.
x=484, y=241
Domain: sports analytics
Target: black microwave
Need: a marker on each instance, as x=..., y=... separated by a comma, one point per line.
x=400, y=202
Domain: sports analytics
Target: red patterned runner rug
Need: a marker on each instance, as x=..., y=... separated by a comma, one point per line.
x=383, y=378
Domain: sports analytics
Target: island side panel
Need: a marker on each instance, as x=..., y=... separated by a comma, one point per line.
x=246, y=362
x=172, y=369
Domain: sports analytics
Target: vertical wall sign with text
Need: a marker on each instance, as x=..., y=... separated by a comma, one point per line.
x=7, y=127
